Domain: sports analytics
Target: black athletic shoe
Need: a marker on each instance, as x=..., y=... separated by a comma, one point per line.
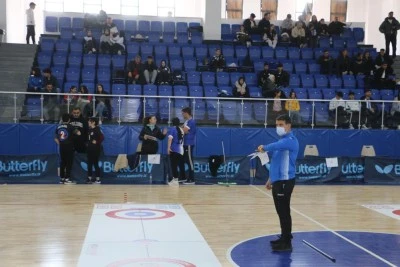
x=276, y=241
x=282, y=246
x=189, y=182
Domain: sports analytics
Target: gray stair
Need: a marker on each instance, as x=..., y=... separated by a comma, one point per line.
x=396, y=67
x=15, y=65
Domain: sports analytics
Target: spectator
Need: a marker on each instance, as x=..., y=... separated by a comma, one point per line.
x=164, y=73
x=395, y=111
x=150, y=70
x=276, y=106
x=384, y=78
x=326, y=63
x=302, y=21
x=110, y=26
x=369, y=63
x=35, y=82
x=323, y=29
x=358, y=67
x=271, y=37
x=116, y=42
x=263, y=75
x=370, y=115
x=264, y=25
x=84, y=101
x=103, y=105
x=299, y=35
x=337, y=110
x=89, y=43
x=282, y=77
x=241, y=89
x=343, y=63
x=292, y=106
x=269, y=87
x=243, y=37
x=135, y=70
x=50, y=78
x=336, y=27
x=105, y=43
x=51, y=109
x=313, y=32
x=353, y=110
x=250, y=25
x=389, y=28
x=72, y=97
x=287, y=24
x=30, y=23
x=383, y=57
x=217, y=62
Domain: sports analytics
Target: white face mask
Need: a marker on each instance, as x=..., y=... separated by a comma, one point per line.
x=280, y=131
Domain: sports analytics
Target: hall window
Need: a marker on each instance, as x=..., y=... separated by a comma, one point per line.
x=304, y=9
x=339, y=9
x=234, y=9
x=270, y=6
x=130, y=7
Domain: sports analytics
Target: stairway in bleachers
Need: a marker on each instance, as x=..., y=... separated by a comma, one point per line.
x=15, y=64
x=396, y=67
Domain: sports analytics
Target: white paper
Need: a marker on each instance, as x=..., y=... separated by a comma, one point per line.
x=263, y=156
x=153, y=158
x=332, y=162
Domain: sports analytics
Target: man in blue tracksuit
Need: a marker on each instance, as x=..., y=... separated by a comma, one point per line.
x=189, y=140
x=282, y=178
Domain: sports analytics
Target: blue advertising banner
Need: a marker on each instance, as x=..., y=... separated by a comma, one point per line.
x=382, y=170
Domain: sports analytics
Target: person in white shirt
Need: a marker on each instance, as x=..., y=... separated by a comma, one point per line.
x=30, y=23
x=353, y=109
x=337, y=109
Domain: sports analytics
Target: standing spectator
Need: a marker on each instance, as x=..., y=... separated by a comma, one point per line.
x=271, y=37
x=384, y=78
x=287, y=24
x=95, y=139
x=217, y=62
x=110, y=26
x=48, y=77
x=164, y=73
x=383, y=57
x=353, y=109
x=150, y=135
x=189, y=128
x=63, y=137
x=79, y=124
x=150, y=70
x=323, y=29
x=313, y=29
x=89, y=43
x=241, y=89
x=336, y=27
x=343, y=63
x=395, y=111
x=30, y=23
x=250, y=25
x=105, y=43
x=370, y=113
x=299, y=35
x=103, y=105
x=135, y=70
x=337, y=109
x=263, y=75
x=117, y=46
x=175, y=152
x=358, y=67
x=292, y=106
x=264, y=25
x=35, y=82
x=326, y=63
x=389, y=28
x=282, y=77
x=51, y=109
x=369, y=63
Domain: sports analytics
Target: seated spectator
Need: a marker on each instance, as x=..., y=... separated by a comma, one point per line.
x=35, y=82
x=269, y=87
x=89, y=43
x=105, y=43
x=50, y=78
x=217, y=62
x=337, y=110
x=164, y=73
x=250, y=25
x=263, y=75
x=72, y=97
x=117, y=45
x=110, y=26
x=383, y=57
x=243, y=37
x=384, y=77
x=135, y=70
x=343, y=63
x=336, y=27
x=264, y=25
x=299, y=35
x=271, y=37
x=323, y=29
x=326, y=63
x=51, y=109
x=150, y=70
x=369, y=63
x=287, y=24
x=292, y=106
x=240, y=89
x=358, y=67
x=395, y=111
x=313, y=32
x=353, y=110
x=84, y=102
x=102, y=105
x=370, y=114
x=282, y=77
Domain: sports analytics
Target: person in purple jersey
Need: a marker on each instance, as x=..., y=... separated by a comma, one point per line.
x=281, y=179
x=175, y=152
x=189, y=128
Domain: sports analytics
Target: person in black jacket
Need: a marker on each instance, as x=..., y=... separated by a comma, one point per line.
x=150, y=135
x=78, y=123
x=264, y=24
x=389, y=28
x=64, y=138
x=343, y=63
x=384, y=77
x=240, y=89
x=282, y=77
x=217, y=62
x=95, y=139
x=370, y=114
x=250, y=25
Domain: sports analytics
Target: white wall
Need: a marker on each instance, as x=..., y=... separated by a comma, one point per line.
x=322, y=9
x=286, y=7
x=3, y=17
x=251, y=6
x=212, y=20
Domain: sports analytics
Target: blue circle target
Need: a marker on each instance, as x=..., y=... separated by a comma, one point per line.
x=140, y=214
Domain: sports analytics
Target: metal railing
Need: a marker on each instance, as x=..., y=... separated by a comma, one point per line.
x=206, y=110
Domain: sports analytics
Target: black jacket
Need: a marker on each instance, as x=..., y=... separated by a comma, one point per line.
x=389, y=28
x=150, y=146
x=81, y=125
x=282, y=79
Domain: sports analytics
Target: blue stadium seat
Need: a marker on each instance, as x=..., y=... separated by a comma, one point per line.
x=227, y=51
x=324, y=43
x=193, y=78
x=153, y=37
x=251, y=79
x=134, y=89
x=345, y=92
x=322, y=114
x=118, y=61
x=196, y=91
x=74, y=60
x=144, y=27
x=66, y=34
x=51, y=24
x=160, y=51
x=88, y=75
x=347, y=33
x=305, y=112
x=255, y=91
x=118, y=89
x=190, y=64
x=258, y=65
x=165, y=90
x=328, y=93
x=360, y=81
x=77, y=23
x=120, y=24
x=180, y=90
x=351, y=44
x=301, y=93
x=294, y=53
x=176, y=63
x=241, y=52
x=131, y=26
x=181, y=27
x=230, y=111
x=174, y=50
x=254, y=53
x=132, y=48
x=235, y=28
x=199, y=110
x=169, y=27
x=212, y=91
x=62, y=45
x=187, y=51
x=150, y=90
x=294, y=81
x=338, y=43
x=146, y=49
x=314, y=68
x=201, y=52
x=235, y=76
x=72, y=75
x=44, y=60
x=387, y=94
x=223, y=78
x=268, y=52
x=307, y=53
x=349, y=81
x=59, y=59
x=321, y=80
x=208, y=78
x=182, y=38
x=104, y=75
x=64, y=23
x=314, y=93
x=76, y=46
x=307, y=80
x=89, y=60
x=47, y=45
x=80, y=34
x=104, y=61
x=247, y=115
x=168, y=37
x=226, y=34
x=195, y=38
x=300, y=67
x=280, y=53
x=335, y=82
x=358, y=34
x=259, y=110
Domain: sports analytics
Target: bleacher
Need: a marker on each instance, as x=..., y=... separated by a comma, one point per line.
x=175, y=43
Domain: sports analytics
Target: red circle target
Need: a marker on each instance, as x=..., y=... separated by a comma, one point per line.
x=397, y=212
x=140, y=214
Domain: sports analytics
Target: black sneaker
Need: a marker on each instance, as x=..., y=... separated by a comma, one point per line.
x=276, y=241
x=89, y=180
x=282, y=246
x=61, y=181
x=189, y=181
